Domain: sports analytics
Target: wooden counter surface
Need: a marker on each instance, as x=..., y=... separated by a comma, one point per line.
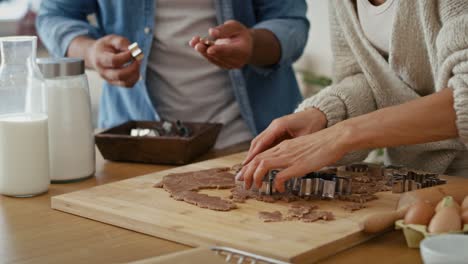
x=31, y=232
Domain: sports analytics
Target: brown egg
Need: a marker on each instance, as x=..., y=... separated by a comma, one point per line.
x=419, y=213
x=464, y=205
x=447, y=219
x=464, y=217
x=447, y=201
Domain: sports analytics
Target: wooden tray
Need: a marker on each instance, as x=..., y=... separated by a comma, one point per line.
x=116, y=144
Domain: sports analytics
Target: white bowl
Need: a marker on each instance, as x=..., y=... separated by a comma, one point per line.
x=446, y=249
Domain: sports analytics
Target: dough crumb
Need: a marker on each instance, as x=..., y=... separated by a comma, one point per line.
x=351, y=207
x=275, y=216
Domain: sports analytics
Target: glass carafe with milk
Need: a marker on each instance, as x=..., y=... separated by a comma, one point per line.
x=24, y=149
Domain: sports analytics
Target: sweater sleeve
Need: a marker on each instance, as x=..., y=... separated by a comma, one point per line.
x=452, y=48
x=350, y=94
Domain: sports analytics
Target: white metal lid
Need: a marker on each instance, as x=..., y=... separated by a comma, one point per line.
x=60, y=67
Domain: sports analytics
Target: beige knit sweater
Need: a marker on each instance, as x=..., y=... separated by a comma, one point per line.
x=428, y=52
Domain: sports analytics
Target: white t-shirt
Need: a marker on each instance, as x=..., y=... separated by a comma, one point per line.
x=183, y=85
x=377, y=23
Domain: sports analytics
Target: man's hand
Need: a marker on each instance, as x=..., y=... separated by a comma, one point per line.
x=233, y=46
x=236, y=46
x=110, y=57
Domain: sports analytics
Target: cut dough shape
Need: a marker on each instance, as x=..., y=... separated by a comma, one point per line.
x=351, y=207
x=184, y=187
x=275, y=216
x=318, y=215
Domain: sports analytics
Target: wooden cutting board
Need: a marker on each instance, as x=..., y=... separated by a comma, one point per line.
x=134, y=204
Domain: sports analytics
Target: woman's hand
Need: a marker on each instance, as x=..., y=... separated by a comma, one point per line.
x=299, y=156
x=405, y=124
x=287, y=127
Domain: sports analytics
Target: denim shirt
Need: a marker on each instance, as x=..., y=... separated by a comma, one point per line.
x=263, y=93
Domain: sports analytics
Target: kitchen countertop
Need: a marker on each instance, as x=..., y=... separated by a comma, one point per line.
x=31, y=232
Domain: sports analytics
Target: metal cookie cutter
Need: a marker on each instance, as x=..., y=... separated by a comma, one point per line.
x=144, y=132
x=268, y=182
x=329, y=186
x=358, y=167
x=414, y=180
x=313, y=185
x=343, y=186
x=182, y=129
x=137, y=53
x=208, y=41
x=323, y=185
x=307, y=186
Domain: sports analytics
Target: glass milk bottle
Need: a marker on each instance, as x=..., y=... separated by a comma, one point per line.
x=71, y=135
x=24, y=148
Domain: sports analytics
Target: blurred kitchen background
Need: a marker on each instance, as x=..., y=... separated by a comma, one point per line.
x=17, y=17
